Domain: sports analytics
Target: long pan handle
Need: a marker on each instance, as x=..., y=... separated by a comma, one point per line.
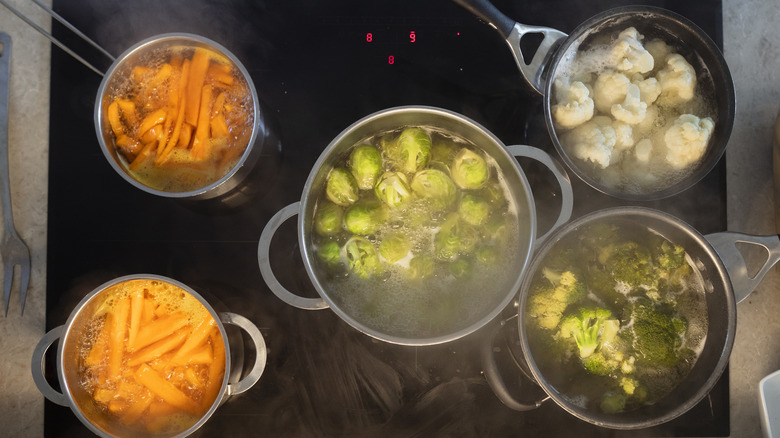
x=490, y=14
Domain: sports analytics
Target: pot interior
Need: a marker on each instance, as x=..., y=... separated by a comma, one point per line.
x=83, y=377
x=720, y=316
x=714, y=85
x=490, y=299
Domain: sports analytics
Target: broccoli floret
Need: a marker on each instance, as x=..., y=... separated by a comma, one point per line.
x=613, y=402
x=669, y=256
x=656, y=334
x=601, y=364
x=551, y=296
x=589, y=326
x=630, y=264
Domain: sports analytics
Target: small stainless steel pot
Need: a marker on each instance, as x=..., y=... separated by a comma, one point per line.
x=80, y=402
x=556, y=48
x=261, y=140
x=386, y=120
x=726, y=282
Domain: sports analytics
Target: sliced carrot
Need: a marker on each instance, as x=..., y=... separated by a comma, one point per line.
x=138, y=73
x=117, y=406
x=197, y=338
x=165, y=390
x=143, y=155
x=219, y=127
x=136, y=314
x=97, y=354
x=221, y=73
x=161, y=75
x=158, y=348
x=129, y=145
x=159, y=329
x=152, y=134
x=200, y=65
x=185, y=136
x=140, y=402
x=154, y=118
x=103, y=395
x=116, y=339
x=159, y=408
x=127, y=109
x=115, y=120
x=200, y=149
x=148, y=313
x=173, y=140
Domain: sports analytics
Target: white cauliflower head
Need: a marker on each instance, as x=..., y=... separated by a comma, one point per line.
x=632, y=110
x=677, y=79
x=659, y=50
x=574, y=106
x=628, y=55
x=592, y=141
x=609, y=88
x=624, y=135
x=686, y=140
x=649, y=89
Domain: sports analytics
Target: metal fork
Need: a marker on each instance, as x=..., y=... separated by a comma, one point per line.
x=13, y=250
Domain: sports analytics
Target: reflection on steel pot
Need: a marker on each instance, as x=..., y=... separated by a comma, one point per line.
x=724, y=280
x=155, y=133
x=128, y=325
x=628, y=157
x=431, y=314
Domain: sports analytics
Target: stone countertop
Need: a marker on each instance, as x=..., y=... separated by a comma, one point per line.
x=752, y=51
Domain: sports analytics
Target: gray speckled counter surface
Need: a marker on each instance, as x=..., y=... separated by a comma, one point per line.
x=751, y=47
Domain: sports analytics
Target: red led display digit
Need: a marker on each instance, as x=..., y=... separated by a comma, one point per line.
x=369, y=37
x=412, y=37
x=391, y=59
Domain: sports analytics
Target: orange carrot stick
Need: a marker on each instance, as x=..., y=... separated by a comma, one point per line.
x=152, y=134
x=158, y=348
x=197, y=338
x=114, y=119
x=154, y=118
x=165, y=389
x=200, y=148
x=200, y=65
x=116, y=339
x=136, y=313
x=129, y=145
x=160, y=328
x=173, y=140
x=127, y=109
x=137, y=407
x=185, y=136
x=143, y=155
x=138, y=72
x=97, y=353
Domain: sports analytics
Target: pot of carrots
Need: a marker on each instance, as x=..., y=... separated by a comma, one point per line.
x=177, y=115
x=145, y=355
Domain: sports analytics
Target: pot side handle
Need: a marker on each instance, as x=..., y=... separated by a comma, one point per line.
x=567, y=193
x=261, y=353
x=37, y=366
x=741, y=281
x=263, y=250
x=493, y=375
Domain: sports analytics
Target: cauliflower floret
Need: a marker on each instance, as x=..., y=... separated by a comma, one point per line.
x=610, y=88
x=624, y=139
x=659, y=50
x=643, y=150
x=632, y=110
x=593, y=141
x=574, y=106
x=628, y=55
x=686, y=140
x=649, y=89
x=677, y=79
x=651, y=121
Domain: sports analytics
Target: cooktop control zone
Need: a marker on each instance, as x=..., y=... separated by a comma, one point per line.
x=318, y=67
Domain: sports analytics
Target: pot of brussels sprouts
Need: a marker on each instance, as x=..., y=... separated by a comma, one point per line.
x=639, y=101
x=627, y=316
x=416, y=225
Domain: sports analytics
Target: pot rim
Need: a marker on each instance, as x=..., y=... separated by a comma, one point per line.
x=97, y=291
x=720, y=273
x=727, y=119
x=186, y=38
x=321, y=290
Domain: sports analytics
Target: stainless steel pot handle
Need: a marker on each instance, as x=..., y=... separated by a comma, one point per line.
x=37, y=366
x=741, y=281
x=261, y=353
x=514, y=32
x=567, y=193
x=263, y=249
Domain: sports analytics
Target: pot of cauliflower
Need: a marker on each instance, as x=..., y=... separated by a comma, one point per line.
x=639, y=103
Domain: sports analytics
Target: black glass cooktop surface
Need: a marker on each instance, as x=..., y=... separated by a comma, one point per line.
x=320, y=66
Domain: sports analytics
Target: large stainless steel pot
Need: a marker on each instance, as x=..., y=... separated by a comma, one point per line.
x=390, y=119
x=726, y=282
x=557, y=48
x=263, y=139
x=74, y=395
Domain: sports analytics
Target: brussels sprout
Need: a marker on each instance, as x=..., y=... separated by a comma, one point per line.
x=473, y=210
x=496, y=229
x=462, y=267
x=469, y=169
x=365, y=163
x=494, y=194
x=422, y=266
x=364, y=217
x=394, y=247
x=468, y=236
x=435, y=186
x=330, y=253
x=411, y=151
x=393, y=189
x=446, y=242
x=327, y=218
x=341, y=187
x=362, y=257
x=487, y=254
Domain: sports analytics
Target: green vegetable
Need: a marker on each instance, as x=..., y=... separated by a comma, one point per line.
x=330, y=253
x=341, y=187
x=589, y=326
x=364, y=217
x=446, y=242
x=613, y=402
x=394, y=247
x=469, y=169
x=462, y=267
x=487, y=254
x=411, y=151
x=328, y=218
x=365, y=163
x=392, y=188
x=551, y=296
x=362, y=257
x=473, y=209
x=422, y=266
x=657, y=334
x=435, y=186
